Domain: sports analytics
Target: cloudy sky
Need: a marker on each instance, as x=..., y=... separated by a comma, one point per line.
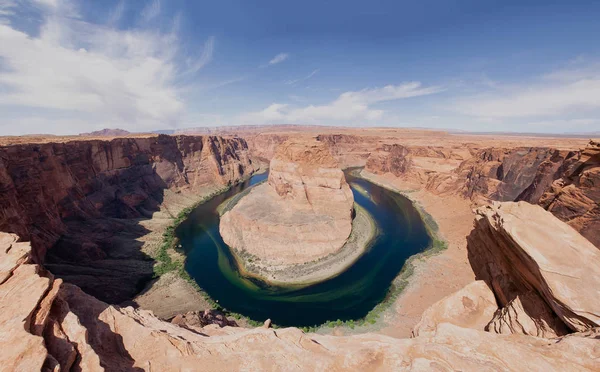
x=69, y=66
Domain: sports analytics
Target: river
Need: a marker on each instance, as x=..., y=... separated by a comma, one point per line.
x=350, y=295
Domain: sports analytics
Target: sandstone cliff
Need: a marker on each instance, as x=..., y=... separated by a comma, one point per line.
x=80, y=201
x=538, y=267
x=394, y=159
x=303, y=213
x=563, y=182
x=52, y=326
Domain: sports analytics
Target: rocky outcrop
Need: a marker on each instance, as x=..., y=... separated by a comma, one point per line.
x=575, y=196
x=503, y=174
x=81, y=333
x=196, y=319
x=538, y=267
x=80, y=200
x=567, y=183
x=303, y=213
x=393, y=159
x=527, y=314
x=471, y=307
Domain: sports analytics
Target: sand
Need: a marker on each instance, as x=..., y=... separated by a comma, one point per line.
x=436, y=276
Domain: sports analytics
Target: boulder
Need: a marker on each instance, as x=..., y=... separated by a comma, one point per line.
x=471, y=307
x=520, y=247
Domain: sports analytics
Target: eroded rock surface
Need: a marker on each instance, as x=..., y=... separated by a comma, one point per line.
x=83, y=333
x=567, y=183
x=81, y=201
x=520, y=250
x=519, y=247
x=471, y=307
x=304, y=211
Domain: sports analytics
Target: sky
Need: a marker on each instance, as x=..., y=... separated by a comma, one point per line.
x=71, y=66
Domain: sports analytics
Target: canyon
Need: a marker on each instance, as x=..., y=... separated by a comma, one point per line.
x=86, y=206
x=518, y=280
x=52, y=326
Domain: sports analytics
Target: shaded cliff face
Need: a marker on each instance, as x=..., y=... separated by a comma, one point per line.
x=537, y=266
x=575, y=196
x=72, y=199
x=49, y=325
x=567, y=183
x=508, y=174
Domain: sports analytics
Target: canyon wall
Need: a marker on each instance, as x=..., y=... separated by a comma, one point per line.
x=566, y=183
x=79, y=202
x=53, y=326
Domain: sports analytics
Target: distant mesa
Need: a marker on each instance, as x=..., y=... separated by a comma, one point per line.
x=106, y=132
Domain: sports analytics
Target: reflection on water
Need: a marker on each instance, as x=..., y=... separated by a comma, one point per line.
x=351, y=295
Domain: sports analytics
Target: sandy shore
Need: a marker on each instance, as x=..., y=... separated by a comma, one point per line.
x=364, y=231
x=435, y=276
x=171, y=294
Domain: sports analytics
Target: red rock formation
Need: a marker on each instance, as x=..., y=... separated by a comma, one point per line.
x=82, y=333
x=518, y=248
x=575, y=196
x=567, y=183
x=393, y=159
x=302, y=214
x=76, y=196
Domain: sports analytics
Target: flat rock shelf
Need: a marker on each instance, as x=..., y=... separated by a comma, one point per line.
x=345, y=295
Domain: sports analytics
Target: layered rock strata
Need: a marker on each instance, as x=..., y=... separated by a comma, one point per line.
x=538, y=267
x=52, y=326
x=567, y=183
x=303, y=213
x=81, y=201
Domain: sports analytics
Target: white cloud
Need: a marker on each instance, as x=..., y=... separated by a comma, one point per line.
x=151, y=11
x=279, y=58
x=292, y=82
x=50, y=3
x=116, y=13
x=95, y=73
x=562, y=92
x=349, y=106
x=6, y=10
x=195, y=64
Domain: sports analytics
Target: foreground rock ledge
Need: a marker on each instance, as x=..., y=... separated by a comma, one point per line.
x=302, y=214
x=51, y=326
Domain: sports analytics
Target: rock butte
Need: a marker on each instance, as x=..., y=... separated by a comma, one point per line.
x=303, y=213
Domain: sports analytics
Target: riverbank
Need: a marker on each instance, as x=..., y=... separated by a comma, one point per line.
x=434, y=273
x=173, y=292
x=364, y=232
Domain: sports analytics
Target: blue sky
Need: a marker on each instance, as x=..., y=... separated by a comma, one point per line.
x=69, y=66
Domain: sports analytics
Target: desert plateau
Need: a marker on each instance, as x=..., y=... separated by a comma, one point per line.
x=276, y=186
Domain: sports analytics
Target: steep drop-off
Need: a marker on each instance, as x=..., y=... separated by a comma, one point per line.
x=79, y=202
x=567, y=183
x=54, y=326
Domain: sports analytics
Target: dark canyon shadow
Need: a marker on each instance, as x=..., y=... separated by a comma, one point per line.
x=102, y=255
